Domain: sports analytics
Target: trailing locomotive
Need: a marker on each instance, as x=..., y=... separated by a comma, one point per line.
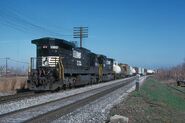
x=60, y=64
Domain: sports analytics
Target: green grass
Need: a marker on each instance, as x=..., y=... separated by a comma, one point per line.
x=155, y=92
x=161, y=103
x=155, y=102
x=182, y=88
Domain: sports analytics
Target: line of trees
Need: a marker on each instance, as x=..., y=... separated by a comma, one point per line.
x=176, y=72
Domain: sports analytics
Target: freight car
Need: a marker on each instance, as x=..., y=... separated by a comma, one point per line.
x=124, y=69
x=127, y=70
x=136, y=71
x=150, y=72
x=60, y=64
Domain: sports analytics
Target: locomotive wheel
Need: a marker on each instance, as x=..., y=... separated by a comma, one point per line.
x=178, y=83
x=57, y=90
x=64, y=86
x=70, y=85
x=74, y=83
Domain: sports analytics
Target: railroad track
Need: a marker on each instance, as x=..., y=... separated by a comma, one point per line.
x=19, y=96
x=5, y=99
x=52, y=110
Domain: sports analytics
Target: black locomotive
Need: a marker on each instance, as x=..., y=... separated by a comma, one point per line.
x=60, y=64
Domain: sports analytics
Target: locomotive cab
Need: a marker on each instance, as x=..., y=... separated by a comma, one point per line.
x=43, y=68
x=49, y=50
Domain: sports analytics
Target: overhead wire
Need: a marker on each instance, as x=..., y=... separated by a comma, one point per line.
x=53, y=24
x=14, y=20
x=10, y=59
x=18, y=61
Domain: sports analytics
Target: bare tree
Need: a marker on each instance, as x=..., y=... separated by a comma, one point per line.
x=176, y=72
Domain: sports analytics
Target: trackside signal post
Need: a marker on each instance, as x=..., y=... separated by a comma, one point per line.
x=80, y=32
x=137, y=82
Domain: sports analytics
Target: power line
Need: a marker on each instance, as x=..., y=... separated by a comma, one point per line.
x=18, y=61
x=15, y=21
x=14, y=26
x=10, y=59
x=53, y=25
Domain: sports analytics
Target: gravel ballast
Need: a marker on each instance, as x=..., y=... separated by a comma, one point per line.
x=24, y=103
x=98, y=110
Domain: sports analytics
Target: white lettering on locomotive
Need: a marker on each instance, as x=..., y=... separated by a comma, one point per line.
x=50, y=61
x=76, y=54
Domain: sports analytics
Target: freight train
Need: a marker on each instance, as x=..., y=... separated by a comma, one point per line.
x=59, y=64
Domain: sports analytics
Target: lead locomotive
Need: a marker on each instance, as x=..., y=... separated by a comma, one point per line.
x=60, y=64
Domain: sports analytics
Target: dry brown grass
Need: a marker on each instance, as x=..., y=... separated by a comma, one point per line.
x=173, y=73
x=12, y=83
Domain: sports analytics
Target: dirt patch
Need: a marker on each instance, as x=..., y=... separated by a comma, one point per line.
x=12, y=83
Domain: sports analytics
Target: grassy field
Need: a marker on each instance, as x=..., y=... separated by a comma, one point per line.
x=155, y=102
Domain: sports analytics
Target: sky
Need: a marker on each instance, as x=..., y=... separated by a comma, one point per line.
x=143, y=33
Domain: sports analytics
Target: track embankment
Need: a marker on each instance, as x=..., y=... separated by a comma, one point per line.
x=55, y=108
x=155, y=102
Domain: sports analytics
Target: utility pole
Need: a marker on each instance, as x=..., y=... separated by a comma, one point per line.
x=80, y=32
x=7, y=65
x=1, y=70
